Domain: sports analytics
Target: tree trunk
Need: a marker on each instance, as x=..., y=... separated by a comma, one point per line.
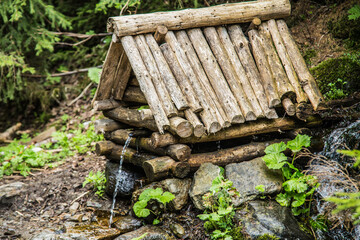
x=162, y=140
x=289, y=106
x=181, y=127
x=202, y=17
x=198, y=127
x=162, y=167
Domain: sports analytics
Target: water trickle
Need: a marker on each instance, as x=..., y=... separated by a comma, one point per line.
x=118, y=180
x=218, y=145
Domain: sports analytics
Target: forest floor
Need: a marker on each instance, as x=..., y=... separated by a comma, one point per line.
x=49, y=193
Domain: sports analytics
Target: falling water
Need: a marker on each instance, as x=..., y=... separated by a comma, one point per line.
x=118, y=175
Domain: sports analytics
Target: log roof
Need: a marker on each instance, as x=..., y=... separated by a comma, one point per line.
x=211, y=77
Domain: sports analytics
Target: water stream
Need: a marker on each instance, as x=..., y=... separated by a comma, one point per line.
x=118, y=179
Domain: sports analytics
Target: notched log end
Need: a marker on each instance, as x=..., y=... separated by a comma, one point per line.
x=110, y=25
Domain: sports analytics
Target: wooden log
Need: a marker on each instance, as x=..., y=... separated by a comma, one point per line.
x=131, y=117
x=208, y=118
x=181, y=126
x=246, y=129
x=211, y=98
x=162, y=167
x=307, y=81
x=106, y=104
x=229, y=72
x=179, y=152
x=255, y=23
x=146, y=114
x=198, y=127
x=264, y=69
x=162, y=140
x=181, y=78
x=173, y=87
x=38, y=138
x=134, y=94
x=108, y=125
x=133, y=82
x=289, y=106
x=157, y=81
x=106, y=83
x=239, y=71
x=215, y=76
x=191, y=18
x=122, y=77
x=160, y=33
x=9, y=133
x=145, y=82
x=286, y=62
x=104, y=148
x=241, y=45
x=283, y=86
x=230, y=155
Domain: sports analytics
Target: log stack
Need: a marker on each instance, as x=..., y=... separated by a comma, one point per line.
x=200, y=84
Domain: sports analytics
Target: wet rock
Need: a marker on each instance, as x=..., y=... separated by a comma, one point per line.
x=93, y=204
x=8, y=192
x=45, y=235
x=126, y=180
x=127, y=224
x=247, y=175
x=178, y=230
x=180, y=188
x=148, y=233
x=202, y=182
x=74, y=207
x=269, y=217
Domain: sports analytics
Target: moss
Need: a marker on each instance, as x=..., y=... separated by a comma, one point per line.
x=268, y=237
x=308, y=55
x=345, y=68
x=237, y=234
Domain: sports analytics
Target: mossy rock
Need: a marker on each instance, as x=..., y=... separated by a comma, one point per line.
x=344, y=68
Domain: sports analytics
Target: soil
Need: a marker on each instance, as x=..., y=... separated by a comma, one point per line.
x=50, y=192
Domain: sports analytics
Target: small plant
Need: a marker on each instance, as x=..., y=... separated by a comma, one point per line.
x=354, y=12
x=219, y=212
x=297, y=186
x=335, y=91
x=98, y=181
x=140, y=207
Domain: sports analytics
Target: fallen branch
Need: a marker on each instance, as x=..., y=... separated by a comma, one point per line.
x=80, y=35
x=81, y=94
x=82, y=70
x=8, y=134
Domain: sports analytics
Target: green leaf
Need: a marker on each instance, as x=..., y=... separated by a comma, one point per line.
x=94, y=74
x=156, y=221
x=354, y=12
x=166, y=197
x=140, y=209
x=295, y=185
x=283, y=199
x=298, y=143
x=275, y=160
x=275, y=148
x=260, y=188
x=204, y=216
x=299, y=200
x=143, y=107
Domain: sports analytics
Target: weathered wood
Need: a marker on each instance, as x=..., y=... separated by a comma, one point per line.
x=307, y=81
x=255, y=23
x=108, y=125
x=199, y=129
x=160, y=33
x=131, y=117
x=286, y=62
x=122, y=77
x=157, y=81
x=181, y=78
x=106, y=83
x=134, y=94
x=229, y=72
x=208, y=118
x=181, y=126
x=114, y=152
x=179, y=152
x=242, y=48
x=146, y=114
x=162, y=167
x=283, y=86
x=172, y=86
x=289, y=106
x=264, y=69
x=162, y=140
x=239, y=71
x=215, y=76
x=145, y=82
x=38, y=138
x=133, y=82
x=191, y=18
x=106, y=104
x=214, y=105
x=230, y=155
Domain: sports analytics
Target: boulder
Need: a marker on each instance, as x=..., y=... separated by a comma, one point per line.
x=180, y=188
x=8, y=192
x=127, y=224
x=202, y=182
x=247, y=175
x=270, y=218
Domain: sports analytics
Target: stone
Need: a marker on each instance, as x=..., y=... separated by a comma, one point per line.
x=8, y=192
x=247, y=175
x=127, y=180
x=268, y=217
x=147, y=233
x=127, y=224
x=180, y=188
x=202, y=182
x=178, y=230
x=93, y=204
x=74, y=207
